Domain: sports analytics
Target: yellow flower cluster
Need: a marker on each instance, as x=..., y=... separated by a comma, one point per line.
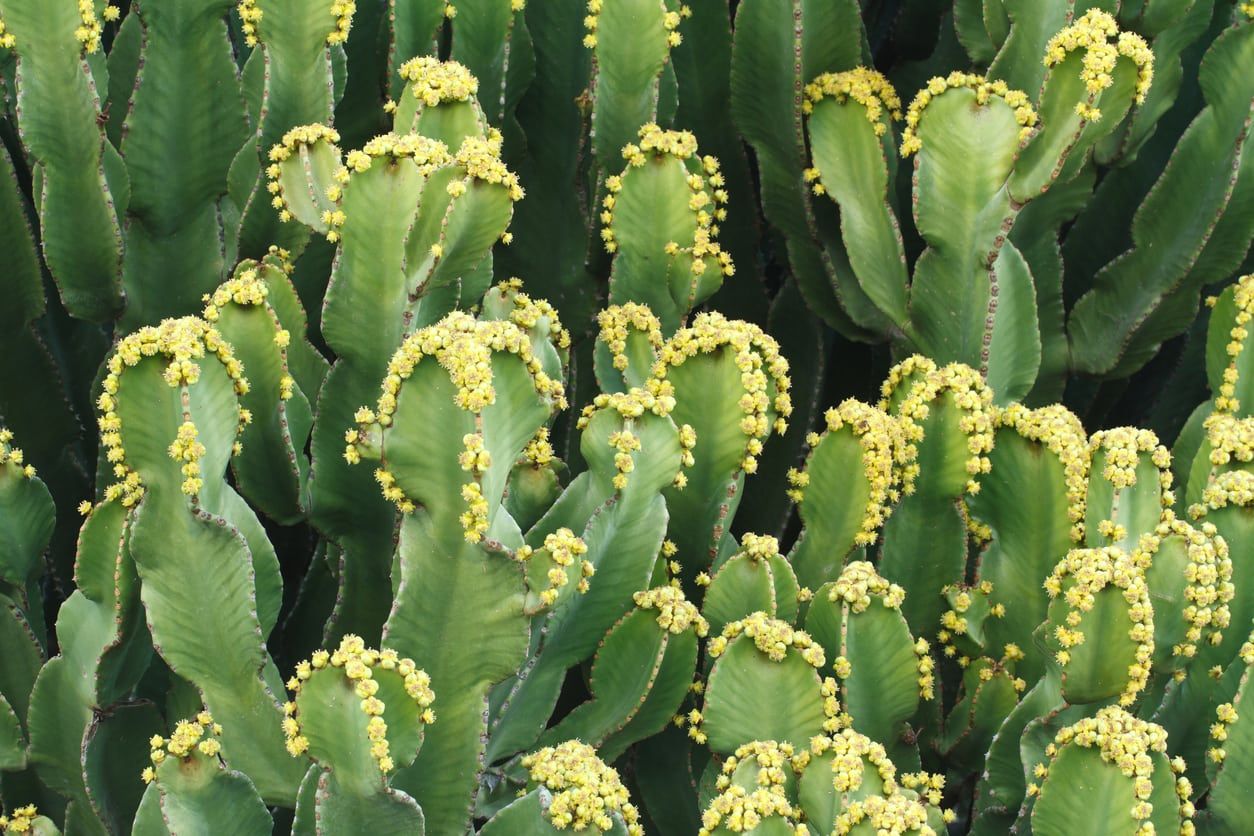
x=970, y=395
x=1092, y=33
x=1208, y=573
x=767, y=759
x=474, y=457
x=474, y=519
x=1248, y=9
x=894, y=813
x=13, y=455
x=884, y=448
x=670, y=22
x=563, y=548
x=1079, y=577
x=250, y=15
x=539, y=452
x=771, y=636
x=481, y=158
x=759, y=546
x=1230, y=438
x=90, y=29
x=359, y=664
x=434, y=82
x=1243, y=299
x=675, y=612
x=22, y=818
x=586, y=792
x=342, y=11
x=858, y=582
x=181, y=343
x=1226, y=713
x=738, y=810
x=1017, y=100
x=186, y=448
x=681, y=144
x=1225, y=716
x=190, y=736
x=706, y=201
x=531, y=313
x=1121, y=449
x=429, y=154
x=863, y=85
x=852, y=753
x=1236, y=487
x=1062, y=434
x=762, y=367
x=618, y=321
x=463, y=347
x=1128, y=744
x=293, y=141
x=954, y=621
x=625, y=443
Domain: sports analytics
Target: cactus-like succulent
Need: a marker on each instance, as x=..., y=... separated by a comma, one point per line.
x=469, y=436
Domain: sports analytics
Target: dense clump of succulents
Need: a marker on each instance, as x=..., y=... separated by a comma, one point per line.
x=625, y=416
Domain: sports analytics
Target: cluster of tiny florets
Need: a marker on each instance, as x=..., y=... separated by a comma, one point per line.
x=182, y=344
x=199, y=735
x=869, y=88
x=13, y=455
x=859, y=582
x=1233, y=488
x=618, y=321
x=1079, y=577
x=1061, y=432
x=481, y=159
x=1243, y=301
x=881, y=439
x=1226, y=713
x=539, y=452
x=741, y=810
x=586, y=792
x=1017, y=100
x=90, y=29
x=1128, y=744
x=738, y=810
x=531, y=313
x=970, y=395
x=563, y=548
x=21, y=819
x=771, y=636
x=955, y=621
x=675, y=613
x=434, y=82
x=1121, y=449
x=359, y=665
x=670, y=23
x=1092, y=33
x=892, y=814
x=761, y=364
